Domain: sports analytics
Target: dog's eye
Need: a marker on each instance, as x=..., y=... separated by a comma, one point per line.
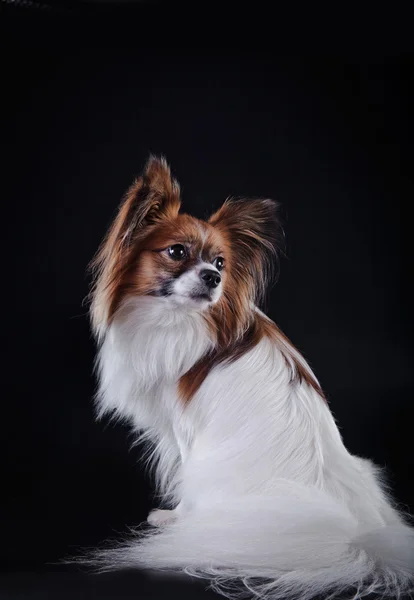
x=177, y=252
x=219, y=263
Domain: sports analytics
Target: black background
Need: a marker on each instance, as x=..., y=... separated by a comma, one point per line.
x=327, y=134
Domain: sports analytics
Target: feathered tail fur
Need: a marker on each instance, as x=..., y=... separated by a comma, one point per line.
x=298, y=544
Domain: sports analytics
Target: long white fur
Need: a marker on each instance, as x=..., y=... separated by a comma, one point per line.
x=267, y=494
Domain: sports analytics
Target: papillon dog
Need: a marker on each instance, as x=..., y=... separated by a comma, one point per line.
x=259, y=494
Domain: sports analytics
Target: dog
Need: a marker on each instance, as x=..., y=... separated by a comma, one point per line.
x=259, y=494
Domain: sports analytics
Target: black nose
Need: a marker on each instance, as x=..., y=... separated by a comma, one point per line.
x=210, y=278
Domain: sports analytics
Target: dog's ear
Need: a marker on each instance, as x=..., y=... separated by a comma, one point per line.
x=255, y=234
x=153, y=197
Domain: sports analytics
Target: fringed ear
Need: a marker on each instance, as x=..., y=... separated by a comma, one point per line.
x=153, y=197
x=255, y=235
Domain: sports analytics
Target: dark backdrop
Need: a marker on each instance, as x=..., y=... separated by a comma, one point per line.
x=329, y=136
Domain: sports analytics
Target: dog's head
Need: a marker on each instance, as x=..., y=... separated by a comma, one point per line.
x=220, y=266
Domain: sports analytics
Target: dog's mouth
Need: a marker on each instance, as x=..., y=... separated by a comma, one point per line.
x=201, y=296
x=197, y=297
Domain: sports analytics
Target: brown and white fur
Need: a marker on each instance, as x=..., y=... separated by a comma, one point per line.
x=260, y=495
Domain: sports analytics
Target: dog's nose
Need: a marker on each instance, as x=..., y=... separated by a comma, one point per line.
x=210, y=278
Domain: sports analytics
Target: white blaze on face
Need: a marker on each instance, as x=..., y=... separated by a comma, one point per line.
x=190, y=290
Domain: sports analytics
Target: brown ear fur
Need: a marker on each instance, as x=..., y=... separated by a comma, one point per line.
x=255, y=236
x=155, y=195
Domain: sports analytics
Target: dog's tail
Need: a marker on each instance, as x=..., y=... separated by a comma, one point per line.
x=278, y=548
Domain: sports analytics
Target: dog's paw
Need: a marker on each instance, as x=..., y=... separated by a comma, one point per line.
x=159, y=517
